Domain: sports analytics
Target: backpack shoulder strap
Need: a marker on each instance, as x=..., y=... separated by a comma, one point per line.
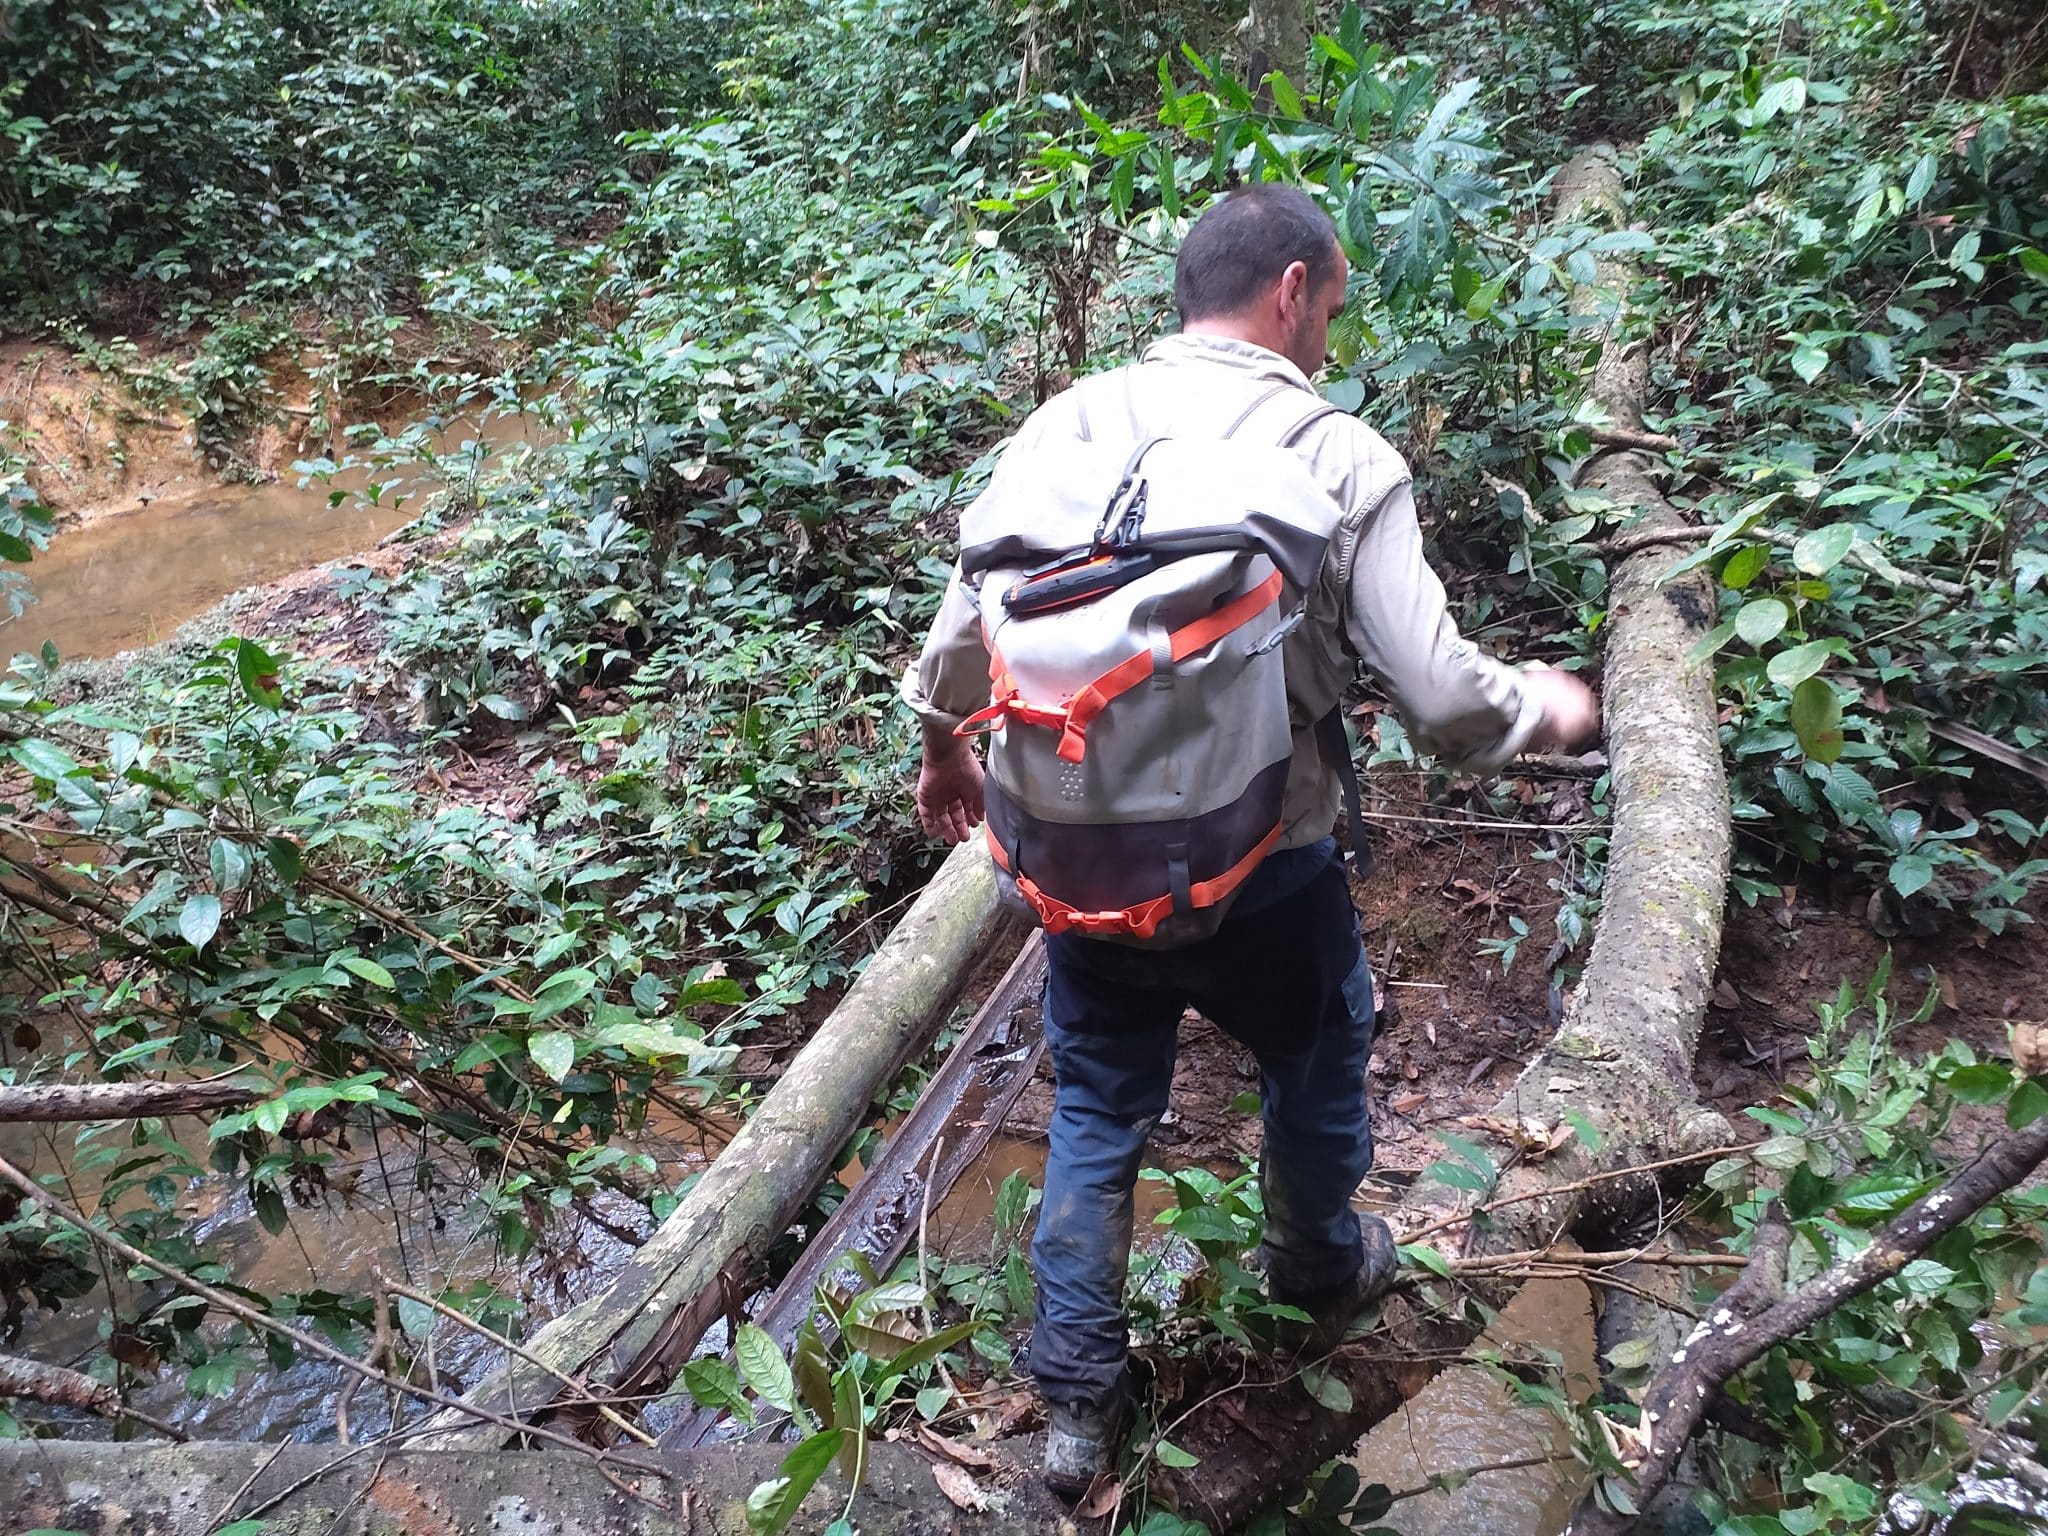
x=1335, y=743
x=1316, y=410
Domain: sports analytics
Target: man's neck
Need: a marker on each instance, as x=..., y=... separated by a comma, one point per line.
x=1235, y=328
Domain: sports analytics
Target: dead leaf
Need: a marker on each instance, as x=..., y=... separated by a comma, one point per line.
x=1102, y=1499
x=959, y=1486
x=2029, y=1050
x=1407, y=1103
x=1725, y=996
x=1946, y=984
x=956, y=1450
x=1429, y=1029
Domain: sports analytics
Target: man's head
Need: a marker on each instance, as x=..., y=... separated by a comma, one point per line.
x=1263, y=266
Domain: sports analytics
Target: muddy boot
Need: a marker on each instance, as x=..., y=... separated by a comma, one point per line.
x=1333, y=1310
x=1081, y=1444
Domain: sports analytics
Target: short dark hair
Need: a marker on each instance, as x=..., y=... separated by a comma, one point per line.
x=1240, y=246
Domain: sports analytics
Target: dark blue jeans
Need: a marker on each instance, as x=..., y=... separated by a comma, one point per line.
x=1285, y=976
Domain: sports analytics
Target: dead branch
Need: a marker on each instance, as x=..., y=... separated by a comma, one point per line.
x=1865, y=557
x=55, y=1102
x=1754, y=1317
x=62, y=1388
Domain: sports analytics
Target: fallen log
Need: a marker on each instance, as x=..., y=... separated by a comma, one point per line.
x=1620, y=1064
x=633, y=1336
x=387, y=1490
x=46, y=1102
x=956, y=1116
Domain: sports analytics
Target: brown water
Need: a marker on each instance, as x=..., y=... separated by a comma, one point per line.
x=129, y=579
x=1466, y=1419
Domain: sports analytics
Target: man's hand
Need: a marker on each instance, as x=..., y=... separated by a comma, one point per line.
x=1571, y=712
x=948, y=787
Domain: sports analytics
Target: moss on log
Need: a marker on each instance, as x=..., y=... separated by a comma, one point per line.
x=634, y=1334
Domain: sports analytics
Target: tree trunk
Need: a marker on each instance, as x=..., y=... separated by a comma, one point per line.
x=1621, y=1061
x=635, y=1334
x=119, y=1101
x=1276, y=34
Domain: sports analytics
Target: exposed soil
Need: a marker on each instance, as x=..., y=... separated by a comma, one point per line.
x=94, y=449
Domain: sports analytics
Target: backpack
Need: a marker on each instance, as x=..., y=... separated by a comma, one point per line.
x=1134, y=601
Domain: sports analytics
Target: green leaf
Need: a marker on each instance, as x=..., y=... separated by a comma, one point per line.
x=1761, y=619
x=44, y=760
x=1171, y=1455
x=1425, y=1257
x=285, y=859
x=1809, y=361
x=1795, y=664
x=244, y=1528
x=1820, y=551
x=1327, y=1389
x=1786, y=96
x=932, y=1401
x=16, y=549
x=553, y=1052
x=773, y=1505
x=199, y=919
x=712, y=1383
x=766, y=1371
x=256, y=670
x=1817, y=720
x=376, y=975
x=2029, y=1103
x=1910, y=872
x=1984, y=1083
x=1744, y=566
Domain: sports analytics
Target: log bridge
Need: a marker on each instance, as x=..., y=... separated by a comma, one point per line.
x=1620, y=1064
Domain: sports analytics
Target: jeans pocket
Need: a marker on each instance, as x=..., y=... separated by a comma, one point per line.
x=1358, y=995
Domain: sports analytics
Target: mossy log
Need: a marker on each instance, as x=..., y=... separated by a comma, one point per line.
x=1621, y=1062
x=328, y=1490
x=633, y=1336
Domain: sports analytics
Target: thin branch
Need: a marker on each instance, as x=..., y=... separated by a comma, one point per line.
x=581, y=1389
x=1865, y=557
x=1733, y=1149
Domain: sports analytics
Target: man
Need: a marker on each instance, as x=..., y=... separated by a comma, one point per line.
x=1258, y=282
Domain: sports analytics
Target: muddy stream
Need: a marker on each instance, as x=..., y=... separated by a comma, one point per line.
x=129, y=579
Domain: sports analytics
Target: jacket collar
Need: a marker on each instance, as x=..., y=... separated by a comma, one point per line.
x=1180, y=351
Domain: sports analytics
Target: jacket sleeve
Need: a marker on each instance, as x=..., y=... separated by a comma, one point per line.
x=950, y=679
x=1458, y=703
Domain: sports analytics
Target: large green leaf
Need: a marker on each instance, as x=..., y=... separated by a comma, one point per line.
x=553, y=1052
x=766, y=1371
x=1817, y=719
x=1820, y=551
x=199, y=919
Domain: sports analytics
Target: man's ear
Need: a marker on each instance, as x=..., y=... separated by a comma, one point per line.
x=1293, y=291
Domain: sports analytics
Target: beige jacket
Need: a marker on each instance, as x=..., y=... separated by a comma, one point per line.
x=1377, y=601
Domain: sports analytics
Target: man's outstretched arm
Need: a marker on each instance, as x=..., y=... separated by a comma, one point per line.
x=1458, y=702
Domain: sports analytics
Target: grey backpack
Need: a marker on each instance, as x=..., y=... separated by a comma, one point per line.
x=1134, y=599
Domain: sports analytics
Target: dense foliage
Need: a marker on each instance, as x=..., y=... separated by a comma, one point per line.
x=784, y=276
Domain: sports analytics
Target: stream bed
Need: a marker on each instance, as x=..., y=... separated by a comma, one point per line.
x=126, y=579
